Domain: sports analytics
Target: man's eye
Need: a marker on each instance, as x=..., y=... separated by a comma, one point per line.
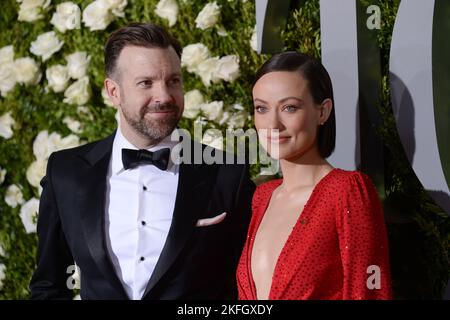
x=175, y=81
x=145, y=83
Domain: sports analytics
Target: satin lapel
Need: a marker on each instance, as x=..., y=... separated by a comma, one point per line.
x=91, y=199
x=190, y=203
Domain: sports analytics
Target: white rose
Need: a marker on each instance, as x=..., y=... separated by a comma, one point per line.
x=13, y=196
x=207, y=70
x=2, y=274
x=213, y=138
x=77, y=64
x=6, y=124
x=192, y=101
x=70, y=141
x=106, y=99
x=31, y=10
x=237, y=120
x=208, y=16
x=6, y=54
x=116, y=6
x=73, y=125
x=78, y=92
x=2, y=252
x=41, y=146
x=167, y=9
x=27, y=71
x=224, y=118
x=228, y=68
x=28, y=215
x=193, y=55
x=254, y=40
x=7, y=77
x=213, y=110
x=46, y=45
x=66, y=17
x=97, y=15
x=57, y=77
x=222, y=32
x=2, y=175
x=36, y=171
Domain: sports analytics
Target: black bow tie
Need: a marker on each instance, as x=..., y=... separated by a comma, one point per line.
x=133, y=158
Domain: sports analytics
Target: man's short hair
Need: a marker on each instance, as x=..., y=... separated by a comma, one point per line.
x=146, y=35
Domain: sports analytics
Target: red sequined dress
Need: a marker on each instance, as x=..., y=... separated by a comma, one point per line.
x=337, y=249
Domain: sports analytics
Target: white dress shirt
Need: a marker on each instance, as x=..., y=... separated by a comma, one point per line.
x=139, y=208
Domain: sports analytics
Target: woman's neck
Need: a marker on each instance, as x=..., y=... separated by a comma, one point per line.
x=306, y=170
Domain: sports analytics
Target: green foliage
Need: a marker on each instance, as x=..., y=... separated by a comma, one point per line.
x=35, y=109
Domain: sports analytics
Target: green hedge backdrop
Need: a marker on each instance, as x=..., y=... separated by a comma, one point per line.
x=35, y=120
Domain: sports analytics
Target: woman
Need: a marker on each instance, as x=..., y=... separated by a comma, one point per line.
x=319, y=232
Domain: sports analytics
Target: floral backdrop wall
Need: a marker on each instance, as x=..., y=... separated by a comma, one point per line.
x=52, y=97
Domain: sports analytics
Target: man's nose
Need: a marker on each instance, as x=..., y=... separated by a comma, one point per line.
x=162, y=94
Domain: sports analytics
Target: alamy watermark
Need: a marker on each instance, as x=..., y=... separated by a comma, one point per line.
x=240, y=147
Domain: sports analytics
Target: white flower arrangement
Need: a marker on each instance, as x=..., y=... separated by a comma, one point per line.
x=192, y=103
x=77, y=64
x=13, y=196
x=27, y=71
x=196, y=59
x=228, y=68
x=6, y=125
x=73, y=125
x=7, y=70
x=78, y=92
x=66, y=17
x=36, y=171
x=32, y=10
x=213, y=138
x=2, y=274
x=57, y=77
x=46, y=45
x=28, y=215
x=2, y=175
x=100, y=13
x=167, y=9
x=208, y=16
x=193, y=55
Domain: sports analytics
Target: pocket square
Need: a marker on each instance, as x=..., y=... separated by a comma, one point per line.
x=211, y=221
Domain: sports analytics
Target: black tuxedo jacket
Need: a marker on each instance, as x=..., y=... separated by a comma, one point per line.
x=195, y=263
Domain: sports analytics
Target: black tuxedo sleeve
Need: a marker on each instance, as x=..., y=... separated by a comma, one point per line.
x=53, y=256
x=243, y=209
x=242, y=215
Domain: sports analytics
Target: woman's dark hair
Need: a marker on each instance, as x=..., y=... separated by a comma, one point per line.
x=136, y=34
x=319, y=84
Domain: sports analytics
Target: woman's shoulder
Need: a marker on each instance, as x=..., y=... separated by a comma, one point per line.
x=265, y=189
x=351, y=181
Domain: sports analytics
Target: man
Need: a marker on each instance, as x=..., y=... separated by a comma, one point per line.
x=138, y=225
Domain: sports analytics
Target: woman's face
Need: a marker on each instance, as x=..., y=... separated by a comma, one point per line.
x=286, y=117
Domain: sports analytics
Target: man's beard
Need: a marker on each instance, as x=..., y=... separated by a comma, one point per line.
x=155, y=130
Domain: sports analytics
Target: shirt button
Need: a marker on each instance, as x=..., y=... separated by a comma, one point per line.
x=144, y=188
x=143, y=223
x=142, y=259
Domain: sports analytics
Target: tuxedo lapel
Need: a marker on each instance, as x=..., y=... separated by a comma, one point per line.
x=189, y=205
x=91, y=199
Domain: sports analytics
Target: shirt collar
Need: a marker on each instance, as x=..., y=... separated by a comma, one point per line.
x=120, y=142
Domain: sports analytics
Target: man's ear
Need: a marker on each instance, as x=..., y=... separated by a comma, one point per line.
x=113, y=90
x=325, y=110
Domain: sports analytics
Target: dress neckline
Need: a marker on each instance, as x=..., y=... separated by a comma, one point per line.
x=301, y=217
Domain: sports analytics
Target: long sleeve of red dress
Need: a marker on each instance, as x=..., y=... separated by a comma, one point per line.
x=338, y=248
